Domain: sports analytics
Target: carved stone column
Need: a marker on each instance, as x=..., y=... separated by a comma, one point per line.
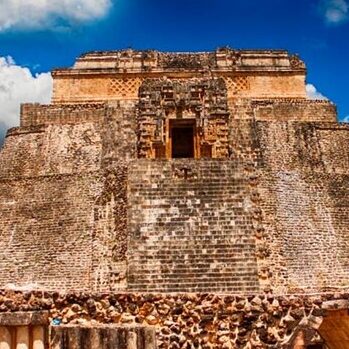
x=22, y=337
x=5, y=338
x=38, y=337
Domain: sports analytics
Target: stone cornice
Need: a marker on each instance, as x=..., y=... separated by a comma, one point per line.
x=223, y=60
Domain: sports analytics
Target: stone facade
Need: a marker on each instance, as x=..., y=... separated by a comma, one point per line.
x=202, y=102
x=105, y=76
x=131, y=321
x=208, y=174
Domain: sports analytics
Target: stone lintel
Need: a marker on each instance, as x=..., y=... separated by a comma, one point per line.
x=336, y=304
x=34, y=318
x=173, y=73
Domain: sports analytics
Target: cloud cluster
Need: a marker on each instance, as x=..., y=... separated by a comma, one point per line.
x=335, y=11
x=35, y=14
x=313, y=93
x=18, y=85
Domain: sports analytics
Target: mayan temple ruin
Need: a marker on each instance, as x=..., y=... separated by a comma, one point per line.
x=176, y=201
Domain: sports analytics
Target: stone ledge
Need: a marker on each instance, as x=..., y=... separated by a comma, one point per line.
x=22, y=318
x=336, y=304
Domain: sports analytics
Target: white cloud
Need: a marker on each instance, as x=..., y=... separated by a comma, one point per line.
x=334, y=11
x=34, y=14
x=313, y=93
x=346, y=119
x=18, y=85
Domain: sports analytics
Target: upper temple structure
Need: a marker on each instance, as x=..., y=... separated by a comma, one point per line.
x=211, y=175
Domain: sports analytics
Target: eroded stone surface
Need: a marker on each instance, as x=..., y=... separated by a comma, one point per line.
x=186, y=320
x=24, y=318
x=95, y=198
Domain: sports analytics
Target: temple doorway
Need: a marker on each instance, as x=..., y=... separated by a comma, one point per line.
x=182, y=139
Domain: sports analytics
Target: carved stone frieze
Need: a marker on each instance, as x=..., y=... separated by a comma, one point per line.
x=202, y=100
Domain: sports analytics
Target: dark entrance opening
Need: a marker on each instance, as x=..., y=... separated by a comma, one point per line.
x=182, y=141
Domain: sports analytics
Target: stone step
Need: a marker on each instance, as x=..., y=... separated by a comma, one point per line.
x=236, y=288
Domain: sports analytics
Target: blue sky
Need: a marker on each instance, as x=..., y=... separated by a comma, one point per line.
x=40, y=35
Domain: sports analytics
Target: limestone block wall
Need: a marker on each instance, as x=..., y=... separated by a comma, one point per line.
x=100, y=88
x=39, y=114
x=63, y=199
x=277, y=86
x=46, y=229
x=304, y=194
x=301, y=185
x=119, y=137
x=103, y=133
x=273, y=216
x=257, y=85
x=97, y=88
x=295, y=110
x=191, y=227
x=48, y=183
x=53, y=149
x=64, y=231
x=117, y=75
x=283, y=109
x=110, y=232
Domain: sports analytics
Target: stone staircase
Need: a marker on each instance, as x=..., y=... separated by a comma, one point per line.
x=190, y=227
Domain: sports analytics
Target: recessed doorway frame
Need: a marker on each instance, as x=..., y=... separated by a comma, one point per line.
x=182, y=123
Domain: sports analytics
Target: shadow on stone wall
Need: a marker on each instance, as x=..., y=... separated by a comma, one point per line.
x=3, y=130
